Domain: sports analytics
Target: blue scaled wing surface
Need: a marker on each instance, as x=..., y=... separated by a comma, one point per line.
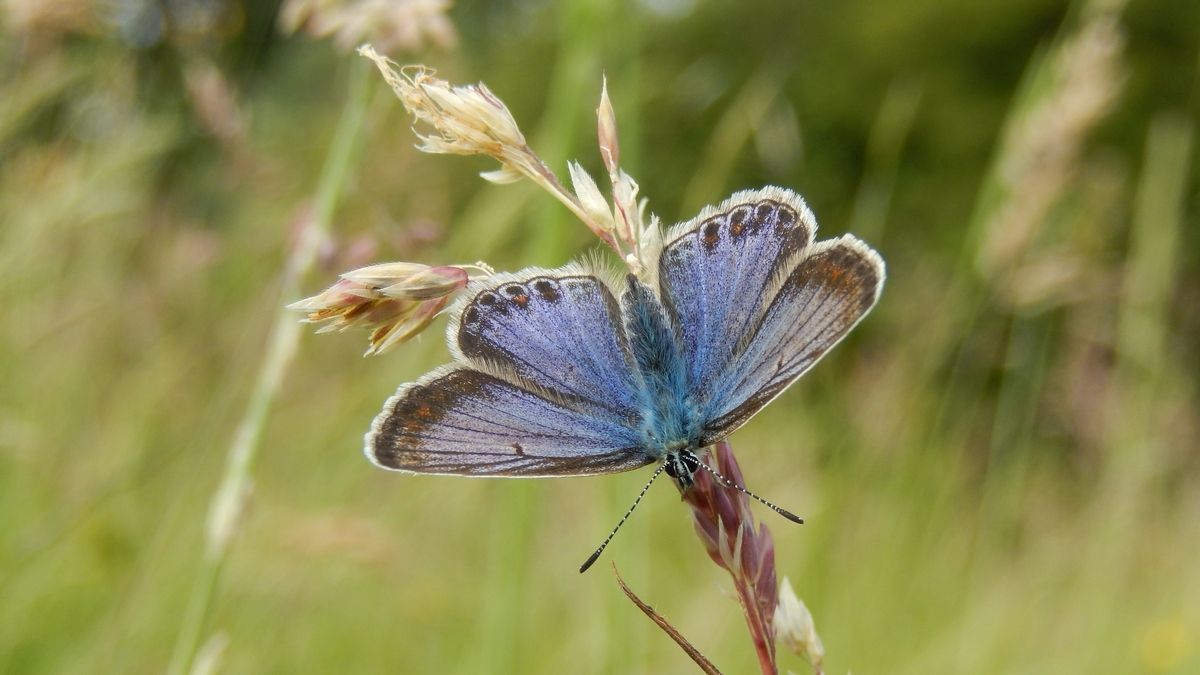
x=756, y=303
x=542, y=385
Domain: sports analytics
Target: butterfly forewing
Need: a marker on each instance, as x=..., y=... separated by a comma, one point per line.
x=464, y=422
x=714, y=272
x=756, y=303
x=558, y=331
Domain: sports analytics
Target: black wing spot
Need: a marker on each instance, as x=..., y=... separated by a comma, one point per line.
x=738, y=224
x=710, y=234
x=547, y=290
x=764, y=211
x=786, y=218
x=487, y=299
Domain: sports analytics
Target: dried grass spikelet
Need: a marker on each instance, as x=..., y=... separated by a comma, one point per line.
x=215, y=102
x=466, y=120
x=471, y=120
x=1040, y=152
x=396, y=301
x=795, y=628
x=393, y=25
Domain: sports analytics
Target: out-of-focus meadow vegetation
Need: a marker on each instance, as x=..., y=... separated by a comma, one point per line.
x=1000, y=469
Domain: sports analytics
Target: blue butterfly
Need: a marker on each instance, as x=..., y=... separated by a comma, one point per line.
x=569, y=372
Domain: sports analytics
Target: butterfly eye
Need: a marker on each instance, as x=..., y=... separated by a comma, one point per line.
x=689, y=460
x=673, y=467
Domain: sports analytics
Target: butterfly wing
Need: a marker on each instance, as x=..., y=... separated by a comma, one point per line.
x=465, y=422
x=830, y=290
x=715, y=267
x=555, y=330
x=756, y=303
x=543, y=386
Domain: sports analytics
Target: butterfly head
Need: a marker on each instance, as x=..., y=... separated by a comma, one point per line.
x=682, y=465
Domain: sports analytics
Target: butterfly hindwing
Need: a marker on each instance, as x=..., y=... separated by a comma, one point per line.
x=831, y=288
x=464, y=422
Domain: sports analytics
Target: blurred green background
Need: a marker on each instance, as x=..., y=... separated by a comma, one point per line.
x=1000, y=469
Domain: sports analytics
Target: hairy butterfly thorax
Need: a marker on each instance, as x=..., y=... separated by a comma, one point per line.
x=669, y=421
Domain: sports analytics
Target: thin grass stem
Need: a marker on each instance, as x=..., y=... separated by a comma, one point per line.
x=229, y=500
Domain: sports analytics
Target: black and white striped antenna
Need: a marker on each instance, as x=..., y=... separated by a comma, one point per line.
x=693, y=465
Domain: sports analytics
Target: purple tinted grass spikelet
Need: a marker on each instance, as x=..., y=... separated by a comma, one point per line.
x=727, y=529
x=396, y=300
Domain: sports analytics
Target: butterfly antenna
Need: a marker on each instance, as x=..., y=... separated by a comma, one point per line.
x=591, y=559
x=730, y=484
